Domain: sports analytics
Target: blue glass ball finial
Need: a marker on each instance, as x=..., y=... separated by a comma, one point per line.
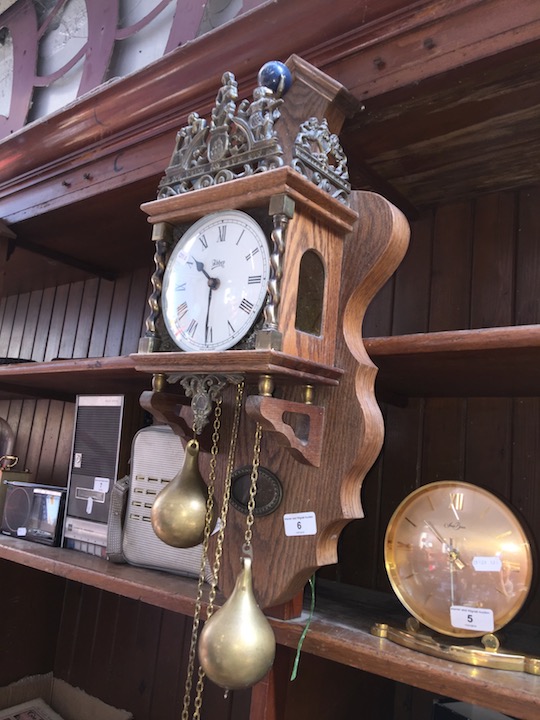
x=276, y=76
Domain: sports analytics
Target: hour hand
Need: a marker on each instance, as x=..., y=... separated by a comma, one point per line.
x=200, y=268
x=452, y=552
x=213, y=283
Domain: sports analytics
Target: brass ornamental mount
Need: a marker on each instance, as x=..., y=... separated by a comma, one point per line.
x=203, y=391
x=320, y=158
x=237, y=141
x=241, y=140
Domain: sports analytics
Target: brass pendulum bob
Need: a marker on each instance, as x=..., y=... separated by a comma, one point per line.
x=237, y=644
x=179, y=511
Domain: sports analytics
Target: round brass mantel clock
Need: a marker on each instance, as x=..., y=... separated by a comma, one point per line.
x=458, y=559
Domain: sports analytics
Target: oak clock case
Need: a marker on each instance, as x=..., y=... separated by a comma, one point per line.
x=276, y=159
x=255, y=220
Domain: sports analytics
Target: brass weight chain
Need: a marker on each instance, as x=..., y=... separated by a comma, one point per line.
x=253, y=491
x=219, y=547
x=204, y=555
x=226, y=500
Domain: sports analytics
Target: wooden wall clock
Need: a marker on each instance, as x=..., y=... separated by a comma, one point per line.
x=265, y=263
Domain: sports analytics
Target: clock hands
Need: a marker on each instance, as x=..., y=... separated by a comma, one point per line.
x=213, y=284
x=452, y=583
x=454, y=557
x=200, y=268
x=206, y=327
x=435, y=532
x=453, y=554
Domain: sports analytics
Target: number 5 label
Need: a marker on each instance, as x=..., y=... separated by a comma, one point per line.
x=300, y=524
x=467, y=618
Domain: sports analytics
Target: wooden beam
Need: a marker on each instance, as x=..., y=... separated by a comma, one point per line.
x=426, y=39
x=390, y=45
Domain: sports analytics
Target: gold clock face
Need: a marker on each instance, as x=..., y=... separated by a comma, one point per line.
x=458, y=559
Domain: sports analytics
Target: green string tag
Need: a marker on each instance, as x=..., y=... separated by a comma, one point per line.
x=305, y=630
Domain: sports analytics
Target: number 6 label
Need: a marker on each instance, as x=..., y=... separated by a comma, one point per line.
x=300, y=524
x=467, y=618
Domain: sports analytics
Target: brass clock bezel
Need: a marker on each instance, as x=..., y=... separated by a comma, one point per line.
x=416, y=532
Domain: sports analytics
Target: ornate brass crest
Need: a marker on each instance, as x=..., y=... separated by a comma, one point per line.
x=241, y=139
x=319, y=157
x=237, y=142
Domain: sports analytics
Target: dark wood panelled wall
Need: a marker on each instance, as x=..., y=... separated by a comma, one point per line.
x=470, y=264
x=473, y=263
x=95, y=318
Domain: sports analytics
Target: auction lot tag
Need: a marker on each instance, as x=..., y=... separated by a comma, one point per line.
x=467, y=618
x=304, y=523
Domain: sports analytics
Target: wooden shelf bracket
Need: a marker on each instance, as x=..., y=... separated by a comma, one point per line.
x=298, y=426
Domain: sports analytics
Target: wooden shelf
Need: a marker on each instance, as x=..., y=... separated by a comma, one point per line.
x=64, y=379
x=339, y=631
x=165, y=590
x=488, y=362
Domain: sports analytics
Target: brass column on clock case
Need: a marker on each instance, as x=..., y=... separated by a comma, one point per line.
x=309, y=383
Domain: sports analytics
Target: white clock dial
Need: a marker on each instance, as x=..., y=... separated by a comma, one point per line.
x=215, y=282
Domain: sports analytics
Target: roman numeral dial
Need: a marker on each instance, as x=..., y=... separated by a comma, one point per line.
x=215, y=282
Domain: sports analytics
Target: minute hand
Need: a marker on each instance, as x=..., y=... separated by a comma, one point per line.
x=435, y=532
x=452, y=552
x=207, y=324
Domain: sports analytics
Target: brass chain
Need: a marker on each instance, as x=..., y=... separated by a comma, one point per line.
x=253, y=490
x=219, y=549
x=226, y=499
x=204, y=555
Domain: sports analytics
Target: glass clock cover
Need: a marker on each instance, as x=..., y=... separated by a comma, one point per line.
x=215, y=282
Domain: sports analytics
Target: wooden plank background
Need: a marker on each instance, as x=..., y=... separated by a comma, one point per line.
x=84, y=319
x=473, y=263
